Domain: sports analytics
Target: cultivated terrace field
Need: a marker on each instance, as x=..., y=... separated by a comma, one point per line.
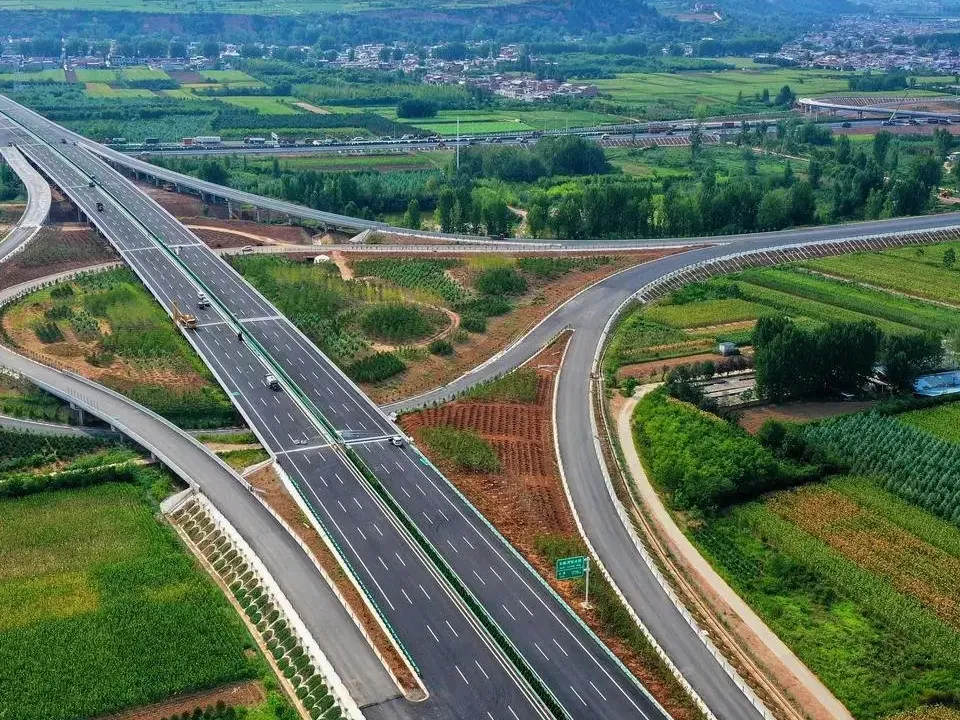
x=842, y=533
x=496, y=446
x=855, y=572
x=107, y=327
x=902, y=291
x=102, y=610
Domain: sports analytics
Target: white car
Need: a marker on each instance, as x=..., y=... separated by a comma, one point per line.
x=396, y=441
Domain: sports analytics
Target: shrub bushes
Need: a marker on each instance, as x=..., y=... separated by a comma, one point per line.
x=441, y=347
x=464, y=448
x=500, y=281
x=473, y=322
x=395, y=322
x=377, y=367
x=48, y=332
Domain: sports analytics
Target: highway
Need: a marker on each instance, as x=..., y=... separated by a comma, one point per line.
x=463, y=672
x=316, y=604
x=38, y=200
x=587, y=314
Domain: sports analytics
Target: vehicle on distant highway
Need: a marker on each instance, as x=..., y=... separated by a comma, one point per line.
x=254, y=141
x=845, y=124
x=151, y=141
x=396, y=441
x=207, y=140
x=203, y=302
x=272, y=382
x=99, y=207
x=246, y=249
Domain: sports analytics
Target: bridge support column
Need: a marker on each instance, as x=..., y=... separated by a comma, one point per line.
x=258, y=214
x=229, y=210
x=860, y=114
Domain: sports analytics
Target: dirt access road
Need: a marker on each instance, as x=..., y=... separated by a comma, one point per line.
x=776, y=661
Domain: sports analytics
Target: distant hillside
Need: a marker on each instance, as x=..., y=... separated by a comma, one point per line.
x=305, y=21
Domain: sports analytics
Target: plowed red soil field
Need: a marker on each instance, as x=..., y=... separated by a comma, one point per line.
x=526, y=498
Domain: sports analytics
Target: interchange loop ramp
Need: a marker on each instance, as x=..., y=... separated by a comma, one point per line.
x=465, y=674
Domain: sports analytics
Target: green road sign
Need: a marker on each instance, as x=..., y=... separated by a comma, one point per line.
x=571, y=567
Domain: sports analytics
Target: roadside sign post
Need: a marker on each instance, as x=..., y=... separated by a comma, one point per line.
x=570, y=568
x=586, y=573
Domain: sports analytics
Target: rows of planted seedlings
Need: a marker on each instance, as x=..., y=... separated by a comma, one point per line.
x=288, y=651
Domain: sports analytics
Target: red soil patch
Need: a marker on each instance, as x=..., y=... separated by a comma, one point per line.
x=187, y=77
x=77, y=247
x=245, y=694
x=526, y=499
x=292, y=234
x=181, y=205
x=752, y=418
x=277, y=497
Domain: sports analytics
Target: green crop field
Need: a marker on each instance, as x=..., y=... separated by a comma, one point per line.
x=905, y=311
x=720, y=86
x=942, y=421
x=850, y=615
x=227, y=76
x=896, y=273
x=264, y=104
x=100, y=608
x=54, y=75
x=126, y=74
x=711, y=312
x=670, y=329
x=98, y=89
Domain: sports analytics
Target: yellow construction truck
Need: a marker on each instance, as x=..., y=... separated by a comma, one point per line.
x=184, y=320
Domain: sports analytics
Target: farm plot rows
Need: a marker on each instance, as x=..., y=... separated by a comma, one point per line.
x=101, y=610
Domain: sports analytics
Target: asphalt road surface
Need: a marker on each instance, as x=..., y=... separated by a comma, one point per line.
x=467, y=678
x=38, y=200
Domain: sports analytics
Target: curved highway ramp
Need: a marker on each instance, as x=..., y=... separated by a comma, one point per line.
x=487, y=635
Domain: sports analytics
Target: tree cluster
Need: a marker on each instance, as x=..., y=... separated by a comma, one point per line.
x=793, y=362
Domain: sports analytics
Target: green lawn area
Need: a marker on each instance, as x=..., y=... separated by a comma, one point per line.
x=110, y=76
x=98, y=89
x=101, y=609
x=265, y=105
